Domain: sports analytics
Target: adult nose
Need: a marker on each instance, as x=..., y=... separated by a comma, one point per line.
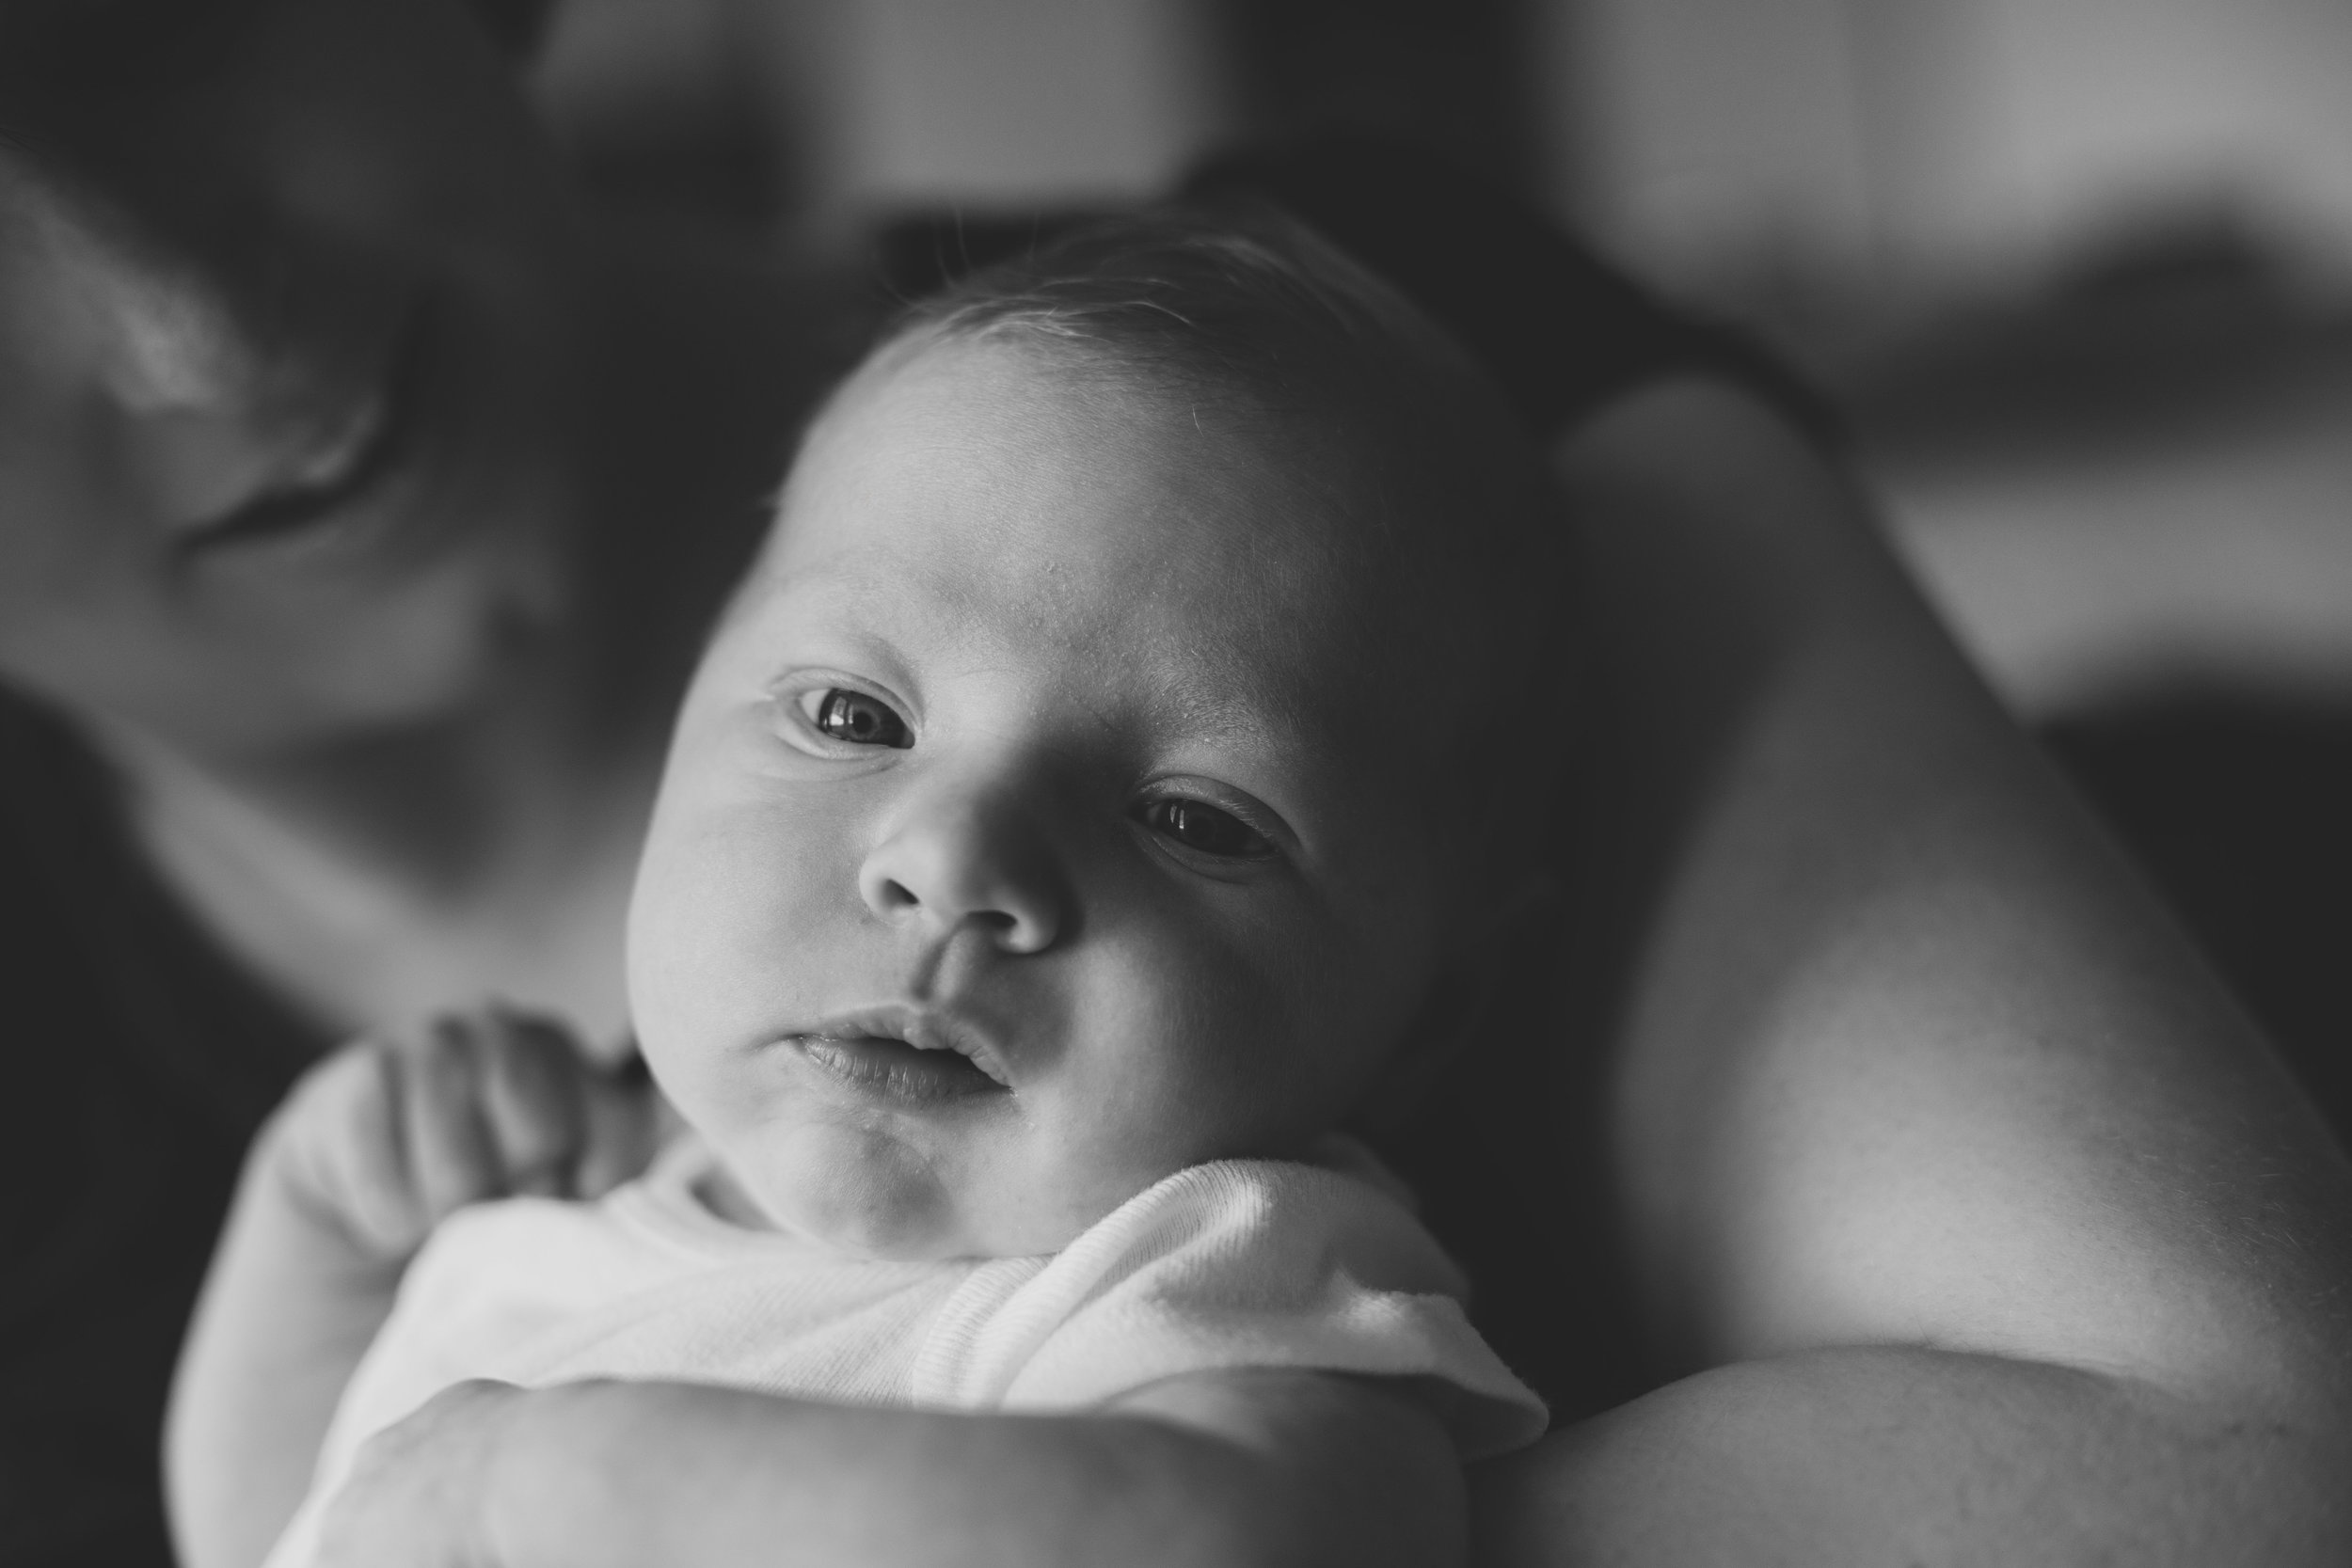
x=965, y=858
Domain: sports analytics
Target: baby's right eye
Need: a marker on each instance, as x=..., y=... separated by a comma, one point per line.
x=855, y=717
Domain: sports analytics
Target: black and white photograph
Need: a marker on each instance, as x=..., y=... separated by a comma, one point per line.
x=1176, y=784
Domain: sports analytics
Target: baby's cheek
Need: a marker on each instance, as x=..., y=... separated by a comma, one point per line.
x=1269, y=1051
x=731, y=925
x=1207, y=1071
x=1261, y=1037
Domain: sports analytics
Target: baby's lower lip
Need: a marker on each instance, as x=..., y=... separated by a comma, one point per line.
x=892, y=1070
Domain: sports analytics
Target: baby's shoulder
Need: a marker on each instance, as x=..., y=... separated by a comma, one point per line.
x=554, y=1250
x=1233, y=1265
x=1274, y=1224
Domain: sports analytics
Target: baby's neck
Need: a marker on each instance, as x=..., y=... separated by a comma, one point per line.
x=718, y=1191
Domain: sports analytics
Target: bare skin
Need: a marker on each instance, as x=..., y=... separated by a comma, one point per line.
x=487, y=850
x=1225, y=1469
x=1928, y=1363
x=379, y=588
x=1957, y=1092
x=1851, y=905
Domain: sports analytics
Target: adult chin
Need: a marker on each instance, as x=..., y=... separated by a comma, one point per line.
x=307, y=674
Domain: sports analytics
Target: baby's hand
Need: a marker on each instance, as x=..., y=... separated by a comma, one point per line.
x=391, y=1133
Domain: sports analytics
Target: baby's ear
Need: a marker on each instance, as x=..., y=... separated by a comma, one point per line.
x=1483, y=966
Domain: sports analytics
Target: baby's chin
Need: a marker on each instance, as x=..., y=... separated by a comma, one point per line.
x=856, y=1195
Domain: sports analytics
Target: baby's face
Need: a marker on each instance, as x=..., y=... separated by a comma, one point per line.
x=1031, y=830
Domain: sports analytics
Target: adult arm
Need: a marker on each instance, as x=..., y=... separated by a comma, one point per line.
x=1980, y=1223
x=1226, y=1470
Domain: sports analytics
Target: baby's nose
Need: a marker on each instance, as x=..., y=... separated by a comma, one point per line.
x=966, y=859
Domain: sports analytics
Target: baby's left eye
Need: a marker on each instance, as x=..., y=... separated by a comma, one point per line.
x=857, y=718
x=1203, y=829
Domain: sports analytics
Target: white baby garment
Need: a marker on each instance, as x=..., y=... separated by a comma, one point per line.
x=1241, y=1263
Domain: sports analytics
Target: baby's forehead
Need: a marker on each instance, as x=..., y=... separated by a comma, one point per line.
x=997, y=454
x=1053, y=500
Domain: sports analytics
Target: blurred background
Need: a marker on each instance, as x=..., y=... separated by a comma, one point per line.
x=2078, y=272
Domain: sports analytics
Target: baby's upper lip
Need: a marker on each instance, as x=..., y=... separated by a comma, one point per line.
x=924, y=1028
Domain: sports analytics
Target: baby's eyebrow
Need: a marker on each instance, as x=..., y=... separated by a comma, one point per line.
x=1206, y=708
x=1199, y=709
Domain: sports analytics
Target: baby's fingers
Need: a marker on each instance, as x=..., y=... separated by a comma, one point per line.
x=532, y=1093
x=452, y=1160
x=624, y=1122
x=356, y=1150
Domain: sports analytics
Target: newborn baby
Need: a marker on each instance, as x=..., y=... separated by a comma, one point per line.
x=1105, y=785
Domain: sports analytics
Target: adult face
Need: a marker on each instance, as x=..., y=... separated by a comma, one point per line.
x=286, y=307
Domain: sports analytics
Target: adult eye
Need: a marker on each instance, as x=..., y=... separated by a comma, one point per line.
x=1204, y=829
x=857, y=718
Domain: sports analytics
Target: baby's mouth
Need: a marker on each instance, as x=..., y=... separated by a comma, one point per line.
x=909, y=1058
